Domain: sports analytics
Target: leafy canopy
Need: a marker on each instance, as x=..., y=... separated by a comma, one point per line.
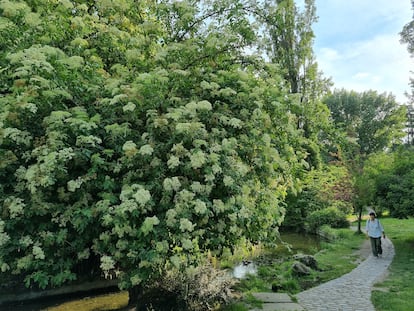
x=135, y=136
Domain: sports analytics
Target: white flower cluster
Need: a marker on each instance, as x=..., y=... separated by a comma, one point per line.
x=107, y=263
x=185, y=196
x=244, y=213
x=5, y=267
x=74, y=184
x=219, y=206
x=171, y=184
x=127, y=206
x=130, y=148
x=216, y=169
x=25, y=241
x=186, y=243
x=228, y=181
x=148, y=224
x=18, y=136
x=197, y=187
x=146, y=150
x=197, y=159
x=170, y=217
x=211, y=85
x=73, y=62
x=173, y=162
x=142, y=196
x=235, y=123
x=129, y=107
x=186, y=225
x=38, y=253
x=204, y=105
x=15, y=205
x=183, y=128
x=4, y=237
x=31, y=107
x=200, y=207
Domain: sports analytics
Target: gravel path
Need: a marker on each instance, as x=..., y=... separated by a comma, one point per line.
x=352, y=291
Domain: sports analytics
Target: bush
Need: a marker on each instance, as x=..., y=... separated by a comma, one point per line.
x=329, y=216
x=200, y=289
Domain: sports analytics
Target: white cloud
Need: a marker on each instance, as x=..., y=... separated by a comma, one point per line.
x=358, y=45
x=380, y=64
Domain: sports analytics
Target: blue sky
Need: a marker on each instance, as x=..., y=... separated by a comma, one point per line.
x=357, y=44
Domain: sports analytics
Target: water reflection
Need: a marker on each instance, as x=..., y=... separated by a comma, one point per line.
x=244, y=269
x=92, y=301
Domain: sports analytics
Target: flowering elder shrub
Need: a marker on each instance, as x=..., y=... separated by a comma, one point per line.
x=129, y=148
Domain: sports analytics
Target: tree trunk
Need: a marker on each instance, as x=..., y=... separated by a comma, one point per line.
x=135, y=294
x=359, y=220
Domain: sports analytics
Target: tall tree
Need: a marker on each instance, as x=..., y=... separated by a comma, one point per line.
x=289, y=44
x=370, y=123
x=407, y=36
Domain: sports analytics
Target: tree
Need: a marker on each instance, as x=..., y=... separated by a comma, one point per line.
x=327, y=187
x=407, y=36
x=370, y=123
x=135, y=140
x=388, y=180
x=289, y=43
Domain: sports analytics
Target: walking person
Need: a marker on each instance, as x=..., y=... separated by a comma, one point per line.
x=374, y=231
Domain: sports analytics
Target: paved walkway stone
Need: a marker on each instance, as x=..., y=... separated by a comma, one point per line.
x=277, y=302
x=352, y=291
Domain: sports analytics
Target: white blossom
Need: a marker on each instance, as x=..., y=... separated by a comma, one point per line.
x=146, y=150
x=130, y=148
x=16, y=206
x=38, y=253
x=107, y=263
x=170, y=217
x=173, y=162
x=197, y=159
x=200, y=207
x=204, y=105
x=186, y=225
x=129, y=107
x=187, y=244
x=228, y=181
x=142, y=196
x=235, y=123
x=171, y=184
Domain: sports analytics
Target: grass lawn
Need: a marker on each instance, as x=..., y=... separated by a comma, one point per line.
x=396, y=293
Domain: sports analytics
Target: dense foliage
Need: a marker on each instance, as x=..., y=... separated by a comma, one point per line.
x=371, y=122
x=134, y=136
x=137, y=135
x=331, y=187
x=390, y=180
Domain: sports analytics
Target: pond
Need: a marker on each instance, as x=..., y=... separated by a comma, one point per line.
x=94, y=301
x=298, y=242
x=291, y=243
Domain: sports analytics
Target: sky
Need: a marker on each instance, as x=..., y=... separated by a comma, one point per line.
x=357, y=44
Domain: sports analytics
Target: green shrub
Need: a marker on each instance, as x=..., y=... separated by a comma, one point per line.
x=198, y=288
x=329, y=216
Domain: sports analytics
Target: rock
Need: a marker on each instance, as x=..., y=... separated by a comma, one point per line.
x=276, y=287
x=307, y=260
x=300, y=268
